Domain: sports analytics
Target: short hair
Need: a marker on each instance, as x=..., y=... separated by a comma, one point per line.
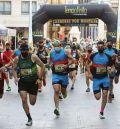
x=24, y=46
x=110, y=41
x=100, y=42
x=40, y=41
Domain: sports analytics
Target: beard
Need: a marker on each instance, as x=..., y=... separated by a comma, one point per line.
x=40, y=47
x=7, y=49
x=101, y=50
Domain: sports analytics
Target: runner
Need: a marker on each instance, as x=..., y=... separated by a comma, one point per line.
x=48, y=45
x=111, y=52
x=17, y=52
x=87, y=62
x=59, y=64
x=101, y=80
x=3, y=59
x=117, y=67
x=43, y=55
x=27, y=78
x=9, y=53
x=73, y=68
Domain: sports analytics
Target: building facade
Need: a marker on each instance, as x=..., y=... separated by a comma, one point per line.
x=97, y=31
x=15, y=14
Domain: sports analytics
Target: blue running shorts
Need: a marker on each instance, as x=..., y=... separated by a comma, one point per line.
x=60, y=79
x=99, y=84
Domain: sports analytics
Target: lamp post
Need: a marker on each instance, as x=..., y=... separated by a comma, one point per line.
x=118, y=26
x=30, y=38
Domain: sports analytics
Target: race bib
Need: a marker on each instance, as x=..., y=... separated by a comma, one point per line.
x=59, y=68
x=72, y=66
x=101, y=70
x=25, y=72
x=74, y=55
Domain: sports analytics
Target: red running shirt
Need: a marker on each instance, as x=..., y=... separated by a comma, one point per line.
x=8, y=55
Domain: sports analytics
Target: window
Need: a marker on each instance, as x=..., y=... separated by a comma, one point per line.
x=25, y=5
x=5, y=7
x=34, y=7
x=69, y=1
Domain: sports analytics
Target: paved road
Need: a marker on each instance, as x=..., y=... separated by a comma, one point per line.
x=79, y=111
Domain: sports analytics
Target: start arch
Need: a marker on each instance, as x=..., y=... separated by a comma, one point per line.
x=77, y=11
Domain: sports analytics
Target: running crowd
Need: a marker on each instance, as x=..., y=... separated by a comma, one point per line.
x=29, y=69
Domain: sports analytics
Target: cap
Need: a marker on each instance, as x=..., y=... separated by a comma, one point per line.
x=89, y=47
x=56, y=43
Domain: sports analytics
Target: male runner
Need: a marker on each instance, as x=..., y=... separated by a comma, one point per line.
x=100, y=62
x=26, y=74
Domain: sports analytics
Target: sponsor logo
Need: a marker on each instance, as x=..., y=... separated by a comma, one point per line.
x=76, y=10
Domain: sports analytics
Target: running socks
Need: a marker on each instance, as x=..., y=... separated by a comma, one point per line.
x=102, y=109
x=29, y=117
x=29, y=123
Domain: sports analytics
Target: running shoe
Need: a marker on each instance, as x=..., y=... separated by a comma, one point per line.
x=29, y=123
x=88, y=90
x=101, y=115
x=112, y=96
x=64, y=95
x=72, y=88
x=9, y=88
x=82, y=71
x=60, y=96
x=56, y=112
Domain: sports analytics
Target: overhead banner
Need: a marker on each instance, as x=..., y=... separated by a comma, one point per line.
x=65, y=22
x=77, y=12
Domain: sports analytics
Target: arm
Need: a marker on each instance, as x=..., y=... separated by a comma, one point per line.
x=36, y=59
x=14, y=67
x=70, y=57
x=111, y=65
x=68, y=53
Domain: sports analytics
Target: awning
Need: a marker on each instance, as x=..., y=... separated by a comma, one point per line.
x=3, y=31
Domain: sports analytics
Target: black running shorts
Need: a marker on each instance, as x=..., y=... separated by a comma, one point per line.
x=29, y=86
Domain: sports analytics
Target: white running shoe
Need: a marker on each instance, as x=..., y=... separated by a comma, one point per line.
x=29, y=123
x=101, y=115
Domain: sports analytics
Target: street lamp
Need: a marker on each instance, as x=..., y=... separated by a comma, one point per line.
x=30, y=38
x=118, y=27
